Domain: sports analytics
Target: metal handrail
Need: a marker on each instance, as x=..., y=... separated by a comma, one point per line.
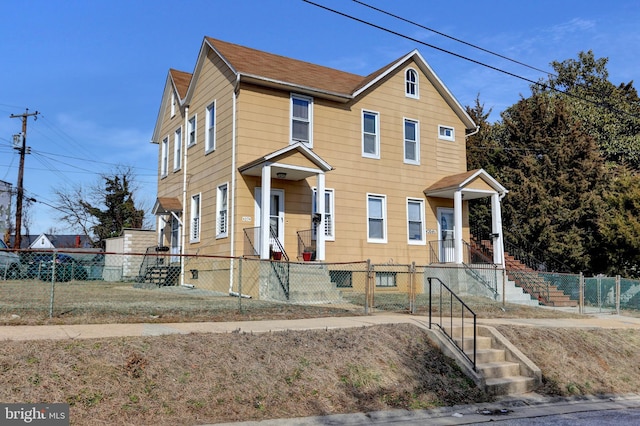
x=463, y=308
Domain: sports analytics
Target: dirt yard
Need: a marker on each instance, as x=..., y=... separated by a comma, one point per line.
x=197, y=379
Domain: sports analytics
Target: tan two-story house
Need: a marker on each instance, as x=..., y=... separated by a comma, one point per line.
x=340, y=166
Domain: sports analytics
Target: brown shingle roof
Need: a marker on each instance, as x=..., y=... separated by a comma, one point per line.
x=279, y=68
x=181, y=80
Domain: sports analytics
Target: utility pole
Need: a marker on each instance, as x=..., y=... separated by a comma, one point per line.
x=22, y=147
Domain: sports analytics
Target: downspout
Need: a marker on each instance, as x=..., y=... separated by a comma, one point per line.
x=184, y=192
x=232, y=197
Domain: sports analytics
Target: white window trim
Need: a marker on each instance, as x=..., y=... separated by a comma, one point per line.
x=382, y=240
x=177, y=149
x=423, y=237
x=218, y=209
x=416, y=84
x=210, y=145
x=388, y=276
x=195, y=215
x=417, y=141
x=193, y=119
x=446, y=138
x=173, y=104
x=164, y=157
x=332, y=213
x=310, y=100
x=375, y=155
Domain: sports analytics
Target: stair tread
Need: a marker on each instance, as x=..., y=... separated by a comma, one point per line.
x=509, y=379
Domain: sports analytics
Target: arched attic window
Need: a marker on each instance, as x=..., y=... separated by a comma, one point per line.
x=411, y=83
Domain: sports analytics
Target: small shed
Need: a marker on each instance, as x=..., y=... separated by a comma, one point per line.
x=124, y=254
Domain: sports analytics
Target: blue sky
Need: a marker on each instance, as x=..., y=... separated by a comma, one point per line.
x=95, y=70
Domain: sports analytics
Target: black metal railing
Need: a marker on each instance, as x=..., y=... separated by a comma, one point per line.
x=481, y=268
x=249, y=245
x=536, y=259
x=306, y=244
x=446, y=295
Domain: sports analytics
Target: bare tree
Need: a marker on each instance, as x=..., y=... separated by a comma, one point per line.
x=102, y=209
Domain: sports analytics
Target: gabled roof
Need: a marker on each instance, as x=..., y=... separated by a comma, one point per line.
x=271, y=70
x=447, y=186
x=180, y=81
x=280, y=166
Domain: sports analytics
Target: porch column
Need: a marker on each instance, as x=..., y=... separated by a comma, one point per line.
x=320, y=234
x=457, y=226
x=496, y=229
x=265, y=203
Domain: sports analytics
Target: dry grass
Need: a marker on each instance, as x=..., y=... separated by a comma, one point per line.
x=196, y=379
x=192, y=379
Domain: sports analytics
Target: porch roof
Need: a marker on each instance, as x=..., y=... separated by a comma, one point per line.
x=282, y=166
x=165, y=205
x=473, y=184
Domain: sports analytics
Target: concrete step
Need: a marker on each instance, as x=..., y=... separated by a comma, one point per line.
x=486, y=356
x=510, y=385
x=497, y=370
x=467, y=344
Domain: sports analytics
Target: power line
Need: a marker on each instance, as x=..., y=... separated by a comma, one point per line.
x=451, y=37
x=599, y=103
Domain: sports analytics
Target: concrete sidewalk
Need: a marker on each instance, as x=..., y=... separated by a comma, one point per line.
x=92, y=331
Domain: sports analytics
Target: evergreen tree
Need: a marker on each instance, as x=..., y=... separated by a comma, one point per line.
x=555, y=177
x=120, y=211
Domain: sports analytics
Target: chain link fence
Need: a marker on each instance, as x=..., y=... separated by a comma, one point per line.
x=89, y=286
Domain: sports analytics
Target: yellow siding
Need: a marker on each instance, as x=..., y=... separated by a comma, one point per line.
x=263, y=126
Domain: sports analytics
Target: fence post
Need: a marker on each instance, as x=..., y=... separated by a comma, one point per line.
x=240, y=285
x=581, y=294
x=367, y=290
x=618, y=294
x=412, y=288
x=53, y=282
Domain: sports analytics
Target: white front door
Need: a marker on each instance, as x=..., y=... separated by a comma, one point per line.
x=276, y=216
x=446, y=233
x=175, y=239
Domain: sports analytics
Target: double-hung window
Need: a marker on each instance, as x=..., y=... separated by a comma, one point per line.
x=301, y=119
x=411, y=83
x=370, y=134
x=195, y=218
x=411, y=142
x=328, y=213
x=177, y=149
x=210, y=123
x=192, y=130
x=415, y=221
x=376, y=218
x=164, y=157
x=221, y=211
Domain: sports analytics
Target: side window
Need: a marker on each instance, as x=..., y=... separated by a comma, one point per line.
x=177, y=149
x=192, y=130
x=221, y=211
x=415, y=221
x=328, y=213
x=411, y=142
x=370, y=134
x=195, y=218
x=301, y=119
x=164, y=153
x=376, y=218
x=446, y=133
x=210, y=124
x=411, y=83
